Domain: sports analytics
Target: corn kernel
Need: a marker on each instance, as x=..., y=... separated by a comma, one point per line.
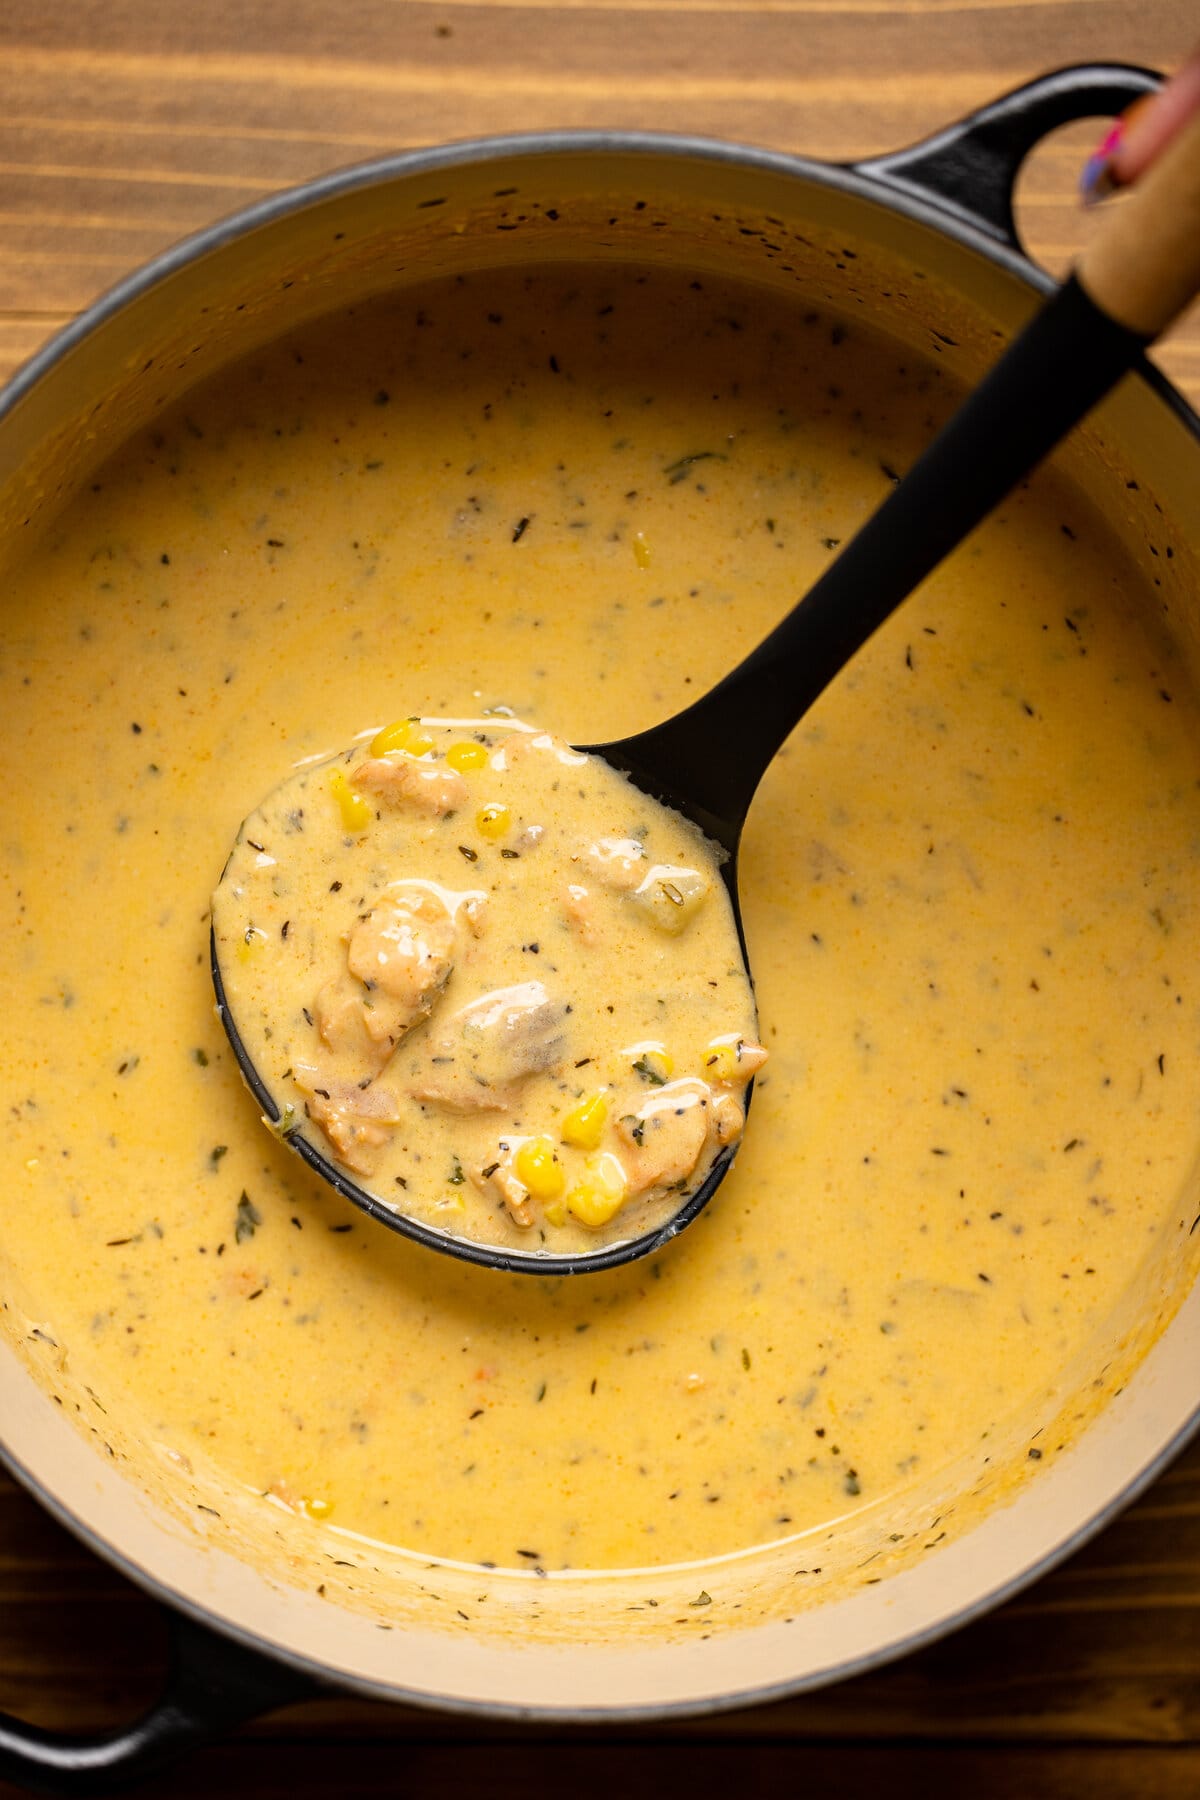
x=721, y=1059
x=537, y=1165
x=493, y=821
x=466, y=756
x=404, y=734
x=641, y=551
x=317, y=1508
x=555, y=1212
x=652, y=1063
x=600, y=1195
x=356, y=812
x=584, y=1124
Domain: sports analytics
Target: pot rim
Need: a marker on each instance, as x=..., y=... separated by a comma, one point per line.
x=319, y=1673
x=862, y=183
x=857, y=179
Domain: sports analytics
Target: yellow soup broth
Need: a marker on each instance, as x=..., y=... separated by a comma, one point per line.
x=969, y=890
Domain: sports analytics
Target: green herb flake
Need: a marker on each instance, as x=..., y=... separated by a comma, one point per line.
x=248, y=1219
x=703, y=1598
x=680, y=469
x=645, y=1068
x=286, y=1123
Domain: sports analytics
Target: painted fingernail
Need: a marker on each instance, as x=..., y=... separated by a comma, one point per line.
x=1098, y=180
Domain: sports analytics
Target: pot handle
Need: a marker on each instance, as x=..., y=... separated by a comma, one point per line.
x=212, y=1685
x=970, y=168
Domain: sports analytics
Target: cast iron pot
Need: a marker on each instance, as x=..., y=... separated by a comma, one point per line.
x=923, y=244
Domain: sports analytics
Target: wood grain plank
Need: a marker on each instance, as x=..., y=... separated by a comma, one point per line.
x=763, y=43
x=125, y=127
x=594, y=1771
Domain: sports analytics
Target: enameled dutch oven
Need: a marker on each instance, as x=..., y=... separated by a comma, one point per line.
x=922, y=245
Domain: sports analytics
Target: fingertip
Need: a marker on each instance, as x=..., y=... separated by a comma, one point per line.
x=1099, y=177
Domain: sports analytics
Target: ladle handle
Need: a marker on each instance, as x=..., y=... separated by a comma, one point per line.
x=1145, y=265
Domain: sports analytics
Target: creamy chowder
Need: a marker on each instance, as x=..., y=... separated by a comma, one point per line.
x=970, y=900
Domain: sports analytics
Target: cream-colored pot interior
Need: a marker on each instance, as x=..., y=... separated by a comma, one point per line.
x=573, y=1646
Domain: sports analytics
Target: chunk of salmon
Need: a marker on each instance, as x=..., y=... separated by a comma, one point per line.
x=728, y=1114
x=519, y=744
x=501, y=1178
x=478, y=1059
x=400, y=957
x=528, y=838
x=619, y=863
x=357, y=1121
x=409, y=781
x=579, y=909
x=662, y=1141
x=404, y=949
x=349, y=1026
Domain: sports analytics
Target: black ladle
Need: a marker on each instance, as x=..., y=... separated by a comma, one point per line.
x=1140, y=272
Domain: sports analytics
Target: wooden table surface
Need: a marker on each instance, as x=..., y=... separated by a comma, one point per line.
x=125, y=124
